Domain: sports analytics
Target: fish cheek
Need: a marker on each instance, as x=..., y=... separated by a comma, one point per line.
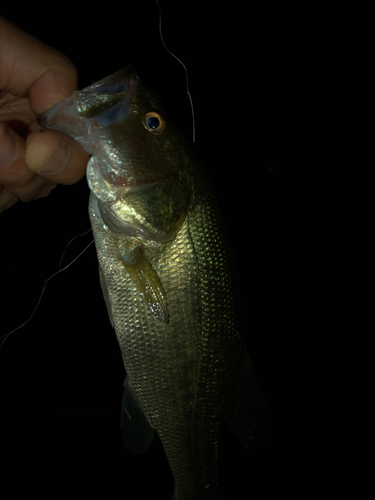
x=161, y=206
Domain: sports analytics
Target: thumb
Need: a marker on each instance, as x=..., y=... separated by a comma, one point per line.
x=55, y=156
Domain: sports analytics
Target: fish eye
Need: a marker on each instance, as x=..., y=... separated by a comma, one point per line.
x=154, y=123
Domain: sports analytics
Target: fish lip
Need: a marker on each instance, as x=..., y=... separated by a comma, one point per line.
x=114, y=82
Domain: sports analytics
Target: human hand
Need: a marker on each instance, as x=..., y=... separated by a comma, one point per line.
x=33, y=78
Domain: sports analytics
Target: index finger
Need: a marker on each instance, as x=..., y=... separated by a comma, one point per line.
x=32, y=69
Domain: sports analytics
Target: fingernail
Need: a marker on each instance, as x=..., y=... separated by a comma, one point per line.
x=46, y=190
x=57, y=161
x=9, y=147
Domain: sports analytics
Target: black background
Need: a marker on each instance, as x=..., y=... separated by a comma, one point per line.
x=62, y=374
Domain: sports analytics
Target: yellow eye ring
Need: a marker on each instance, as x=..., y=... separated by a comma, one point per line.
x=154, y=123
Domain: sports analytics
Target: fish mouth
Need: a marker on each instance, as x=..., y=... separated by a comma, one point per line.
x=81, y=115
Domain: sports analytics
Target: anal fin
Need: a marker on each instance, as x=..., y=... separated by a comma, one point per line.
x=248, y=416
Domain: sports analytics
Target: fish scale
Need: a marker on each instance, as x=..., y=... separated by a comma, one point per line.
x=169, y=282
x=193, y=350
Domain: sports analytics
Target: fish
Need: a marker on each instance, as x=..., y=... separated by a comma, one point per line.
x=169, y=281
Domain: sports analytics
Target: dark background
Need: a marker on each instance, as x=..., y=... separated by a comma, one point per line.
x=62, y=374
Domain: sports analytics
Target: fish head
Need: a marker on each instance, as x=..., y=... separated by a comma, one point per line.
x=140, y=168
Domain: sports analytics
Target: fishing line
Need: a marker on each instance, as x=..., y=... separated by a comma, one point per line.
x=78, y=235
x=46, y=283
x=183, y=65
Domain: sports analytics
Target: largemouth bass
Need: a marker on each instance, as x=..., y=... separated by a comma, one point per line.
x=168, y=279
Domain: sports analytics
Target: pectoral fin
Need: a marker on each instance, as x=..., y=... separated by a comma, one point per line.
x=148, y=282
